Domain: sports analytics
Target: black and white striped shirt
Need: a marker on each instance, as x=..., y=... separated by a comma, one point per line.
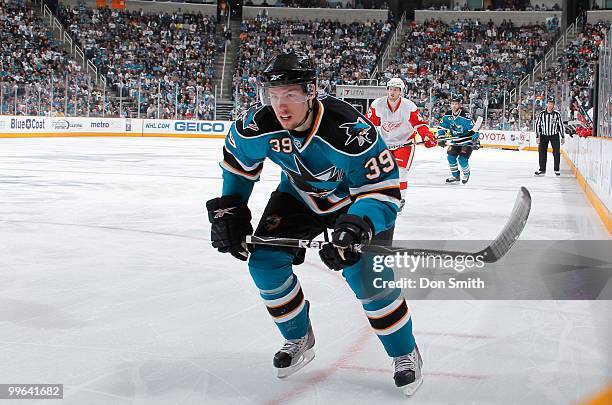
x=550, y=124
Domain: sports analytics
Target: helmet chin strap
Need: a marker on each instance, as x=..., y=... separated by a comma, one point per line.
x=310, y=108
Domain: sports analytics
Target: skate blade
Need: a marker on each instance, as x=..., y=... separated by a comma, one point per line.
x=411, y=388
x=304, y=360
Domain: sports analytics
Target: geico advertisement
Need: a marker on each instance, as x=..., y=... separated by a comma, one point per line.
x=186, y=127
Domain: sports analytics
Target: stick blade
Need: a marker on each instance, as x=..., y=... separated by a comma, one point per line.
x=511, y=232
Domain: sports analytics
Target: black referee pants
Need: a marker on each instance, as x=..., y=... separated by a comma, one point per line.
x=543, y=150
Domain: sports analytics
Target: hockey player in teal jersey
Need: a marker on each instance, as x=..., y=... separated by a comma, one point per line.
x=456, y=131
x=336, y=173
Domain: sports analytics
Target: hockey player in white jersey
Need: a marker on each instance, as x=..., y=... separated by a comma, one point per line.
x=399, y=121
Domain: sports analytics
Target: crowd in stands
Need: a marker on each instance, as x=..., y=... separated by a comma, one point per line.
x=477, y=60
x=344, y=53
x=164, y=63
x=37, y=76
x=496, y=5
x=152, y=55
x=353, y=4
x=570, y=77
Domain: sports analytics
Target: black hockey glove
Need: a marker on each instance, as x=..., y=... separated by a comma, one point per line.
x=231, y=222
x=476, y=144
x=348, y=230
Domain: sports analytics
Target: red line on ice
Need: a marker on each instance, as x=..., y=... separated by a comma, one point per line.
x=389, y=371
x=366, y=333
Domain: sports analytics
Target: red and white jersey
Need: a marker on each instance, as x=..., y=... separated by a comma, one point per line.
x=396, y=126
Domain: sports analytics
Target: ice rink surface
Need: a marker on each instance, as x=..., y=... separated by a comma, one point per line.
x=108, y=285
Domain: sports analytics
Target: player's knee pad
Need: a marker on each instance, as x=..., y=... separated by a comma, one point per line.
x=452, y=159
x=270, y=268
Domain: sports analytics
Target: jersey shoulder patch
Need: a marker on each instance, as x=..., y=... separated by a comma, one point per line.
x=257, y=120
x=345, y=129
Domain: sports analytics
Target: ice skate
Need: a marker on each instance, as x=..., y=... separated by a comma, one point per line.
x=452, y=179
x=540, y=173
x=295, y=354
x=466, y=177
x=408, y=371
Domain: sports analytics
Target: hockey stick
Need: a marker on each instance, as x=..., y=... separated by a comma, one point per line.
x=463, y=139
x=490, y=254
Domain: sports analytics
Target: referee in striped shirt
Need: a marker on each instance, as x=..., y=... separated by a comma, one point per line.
x=549, y=128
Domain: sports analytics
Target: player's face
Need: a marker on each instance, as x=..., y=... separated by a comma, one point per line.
x=290, y=104
x=394, y=93
x=455, y=106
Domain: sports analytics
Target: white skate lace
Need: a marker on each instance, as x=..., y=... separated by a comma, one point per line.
x=294, y=346
x=405, y=363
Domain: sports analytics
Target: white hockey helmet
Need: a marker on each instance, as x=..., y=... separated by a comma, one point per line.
x=396, y=82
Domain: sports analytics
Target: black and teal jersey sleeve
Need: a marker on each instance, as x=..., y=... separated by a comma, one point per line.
x=371, y=173
x=458, y=125
x=374, y=186
x=244, y=152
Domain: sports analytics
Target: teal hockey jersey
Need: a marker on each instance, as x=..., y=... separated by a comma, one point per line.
x=457, y=124
x=341, y=161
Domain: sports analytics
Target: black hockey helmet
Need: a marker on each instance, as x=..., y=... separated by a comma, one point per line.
x=287, y=68
x=456, y=97
x=550, y=100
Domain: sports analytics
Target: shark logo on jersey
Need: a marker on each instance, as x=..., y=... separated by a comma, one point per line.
x=317, y=185
x=357, y=131
x=455, y=129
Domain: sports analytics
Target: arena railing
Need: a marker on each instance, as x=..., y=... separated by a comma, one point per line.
x=75, y=51
x=550, y=57
x=380, y=66
x=76, y=95
x=229, y=27
x=603, y=117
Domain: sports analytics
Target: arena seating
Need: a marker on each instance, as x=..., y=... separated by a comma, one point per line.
x=31, y=60
x=477, y=60
x=344, y=53
x=153, y=54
